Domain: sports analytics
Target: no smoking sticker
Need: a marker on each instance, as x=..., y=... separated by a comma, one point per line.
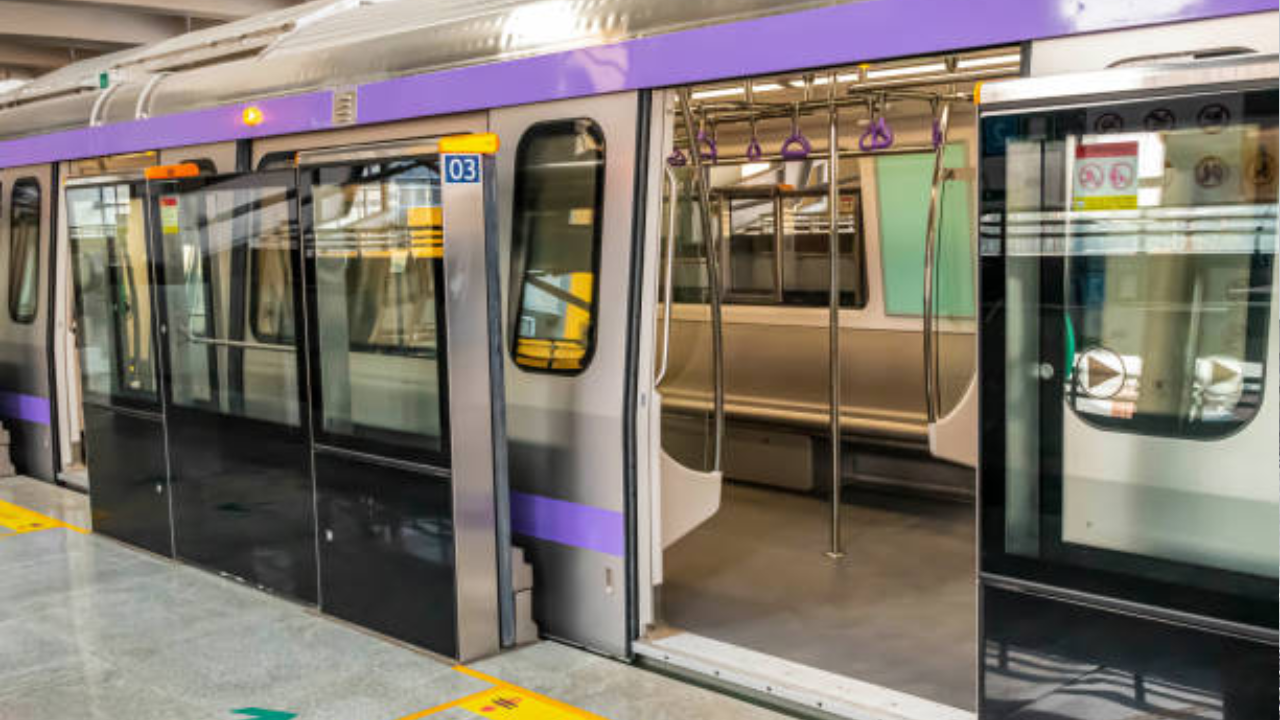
x=1106, y=176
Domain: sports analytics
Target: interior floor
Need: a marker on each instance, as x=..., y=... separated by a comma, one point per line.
x=899, y=610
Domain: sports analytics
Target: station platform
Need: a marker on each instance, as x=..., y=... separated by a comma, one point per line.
x=92, y=629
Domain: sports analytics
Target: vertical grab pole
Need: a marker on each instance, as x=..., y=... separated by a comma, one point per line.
x=713, y=273
x=833, y=320
x=931, y=399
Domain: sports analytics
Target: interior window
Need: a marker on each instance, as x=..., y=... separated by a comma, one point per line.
x=778, y=250
x=379, y=297
x=559, y=193
x=24, y=251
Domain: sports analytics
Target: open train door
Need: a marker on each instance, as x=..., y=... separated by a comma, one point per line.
x=570, y=170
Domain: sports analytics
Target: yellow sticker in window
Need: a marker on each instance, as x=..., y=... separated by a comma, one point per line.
x=426, y=216
x=582, y=216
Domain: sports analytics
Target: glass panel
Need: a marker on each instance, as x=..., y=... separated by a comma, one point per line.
x=806, y=261
x=208, y=234
x=749, y=225
x=903, y=184
x=271, y=294
x=689, y=271
x=1138, y=276
x=379, y=297
x=113, y=292
x=556, y=231
x=24, y=250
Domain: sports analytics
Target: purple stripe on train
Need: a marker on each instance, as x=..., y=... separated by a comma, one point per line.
x=32, y=409
x=567, y=523
x=856, y=31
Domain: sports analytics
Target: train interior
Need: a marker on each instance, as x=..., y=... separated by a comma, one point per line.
x=767, y=573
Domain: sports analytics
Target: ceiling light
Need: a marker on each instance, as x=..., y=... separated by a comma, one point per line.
x=766, y=87
x=717, y=92
x=891, y=72
x=989, y=61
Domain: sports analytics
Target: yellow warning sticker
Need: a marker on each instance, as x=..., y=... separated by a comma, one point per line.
x=505, y=700
x=15, y=520
x=169, y=220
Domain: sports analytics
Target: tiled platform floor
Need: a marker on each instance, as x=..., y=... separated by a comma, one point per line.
x=93, y=630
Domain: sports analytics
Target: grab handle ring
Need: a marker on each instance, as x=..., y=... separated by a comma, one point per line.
x=754, y=151
x=677, y=158
x=709, y=142
x=878, y=136
x=796, y=147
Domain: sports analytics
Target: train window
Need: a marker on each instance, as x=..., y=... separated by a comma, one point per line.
x=113, y=302
x=1131, y=281
x=379, y=299
x=24, y=250
x=271, y=290
x=559, y=192
x=806, y=260
x=903, y=184
x=753, y=263
x=209, y=233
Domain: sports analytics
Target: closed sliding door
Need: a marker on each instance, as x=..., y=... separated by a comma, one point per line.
x=124, y=423
x=382, y=453
x=230, y=320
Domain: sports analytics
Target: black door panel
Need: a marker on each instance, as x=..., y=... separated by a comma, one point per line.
x=129, y=490
x=387, y=551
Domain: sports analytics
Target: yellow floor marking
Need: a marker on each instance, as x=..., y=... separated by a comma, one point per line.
x=504, y=700
x=512, y=701
x=20, y=520
x=446, y=706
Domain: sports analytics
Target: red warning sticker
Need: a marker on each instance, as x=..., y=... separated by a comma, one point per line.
x=1106, y=176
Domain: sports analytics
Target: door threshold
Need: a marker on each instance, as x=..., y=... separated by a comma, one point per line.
x=790, y=683
x=77, y=477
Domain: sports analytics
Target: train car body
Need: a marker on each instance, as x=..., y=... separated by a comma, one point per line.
x=887, y=359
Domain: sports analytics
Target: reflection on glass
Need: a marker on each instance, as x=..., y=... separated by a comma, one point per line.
x=378, y=250
x=113, y=303
x=24, y=250
x=558, y=201
x=217, y=364
x=1139, y=273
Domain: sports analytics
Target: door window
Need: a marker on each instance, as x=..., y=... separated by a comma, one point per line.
x=379, y=296
x=24, y=251
x=107, y=230
x=559, y=195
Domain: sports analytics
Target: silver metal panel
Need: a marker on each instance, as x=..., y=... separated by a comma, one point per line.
x=1094, y=51
x=24, y=349
x=1183, y=78
x=337, y=43
x=466, y=234
x=552, y=420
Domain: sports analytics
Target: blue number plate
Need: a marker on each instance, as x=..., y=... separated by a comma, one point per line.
x=462, y=168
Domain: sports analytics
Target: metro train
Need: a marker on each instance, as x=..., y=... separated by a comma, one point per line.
x=879, y=359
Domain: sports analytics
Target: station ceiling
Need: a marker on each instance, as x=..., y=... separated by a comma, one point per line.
x=37, y=36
